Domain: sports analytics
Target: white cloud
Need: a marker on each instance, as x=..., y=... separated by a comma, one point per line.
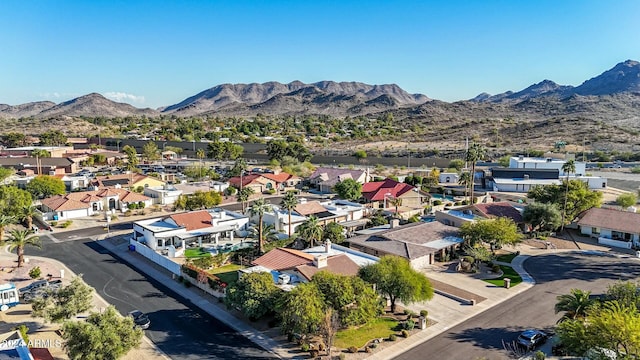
x=124, y=97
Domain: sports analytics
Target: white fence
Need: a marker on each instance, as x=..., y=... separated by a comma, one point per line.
x=204, y=286
x=155, y=257
x=615, y=243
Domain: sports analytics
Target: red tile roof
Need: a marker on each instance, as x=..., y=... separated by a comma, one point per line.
x=283, y=259
x=338, y=264
x=376, y=191
x=246, y=180
x=63, y=203
x=193, y=220
x=617, y=220
x=279, y=178
x=500, y=209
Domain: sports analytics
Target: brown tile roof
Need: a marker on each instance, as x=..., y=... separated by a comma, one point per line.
x=310, y=208
x=283, y=259
x=133, y=197
x=83, y=200
x=62, y=203
x=623, y=221
x=279, y=178
x=122, y=179
x=193, y=220
x=338, y=264
x=500, y=209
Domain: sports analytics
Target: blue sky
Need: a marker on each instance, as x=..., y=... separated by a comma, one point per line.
x=155, y=53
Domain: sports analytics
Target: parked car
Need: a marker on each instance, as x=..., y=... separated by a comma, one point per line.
x=39, y=285
x=140, y=319
x=531, y=338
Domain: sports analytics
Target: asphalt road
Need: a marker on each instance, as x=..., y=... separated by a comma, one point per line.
x=178, y=328
x=555, y=274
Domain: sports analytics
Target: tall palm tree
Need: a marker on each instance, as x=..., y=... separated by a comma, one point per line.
x=258, y=208
x=475, y=153
x=5, y=220
x=39, y=154
x=200, y=154
x=289, y=203
x=568, y=168
x=18, y=239
x=465, y=179
x=396, y=202
x=310, y=230
x=243, y=196
x=574, y=305
x=27, y=214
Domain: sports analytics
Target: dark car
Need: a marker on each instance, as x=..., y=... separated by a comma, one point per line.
x=532, y=338
x=140, y=319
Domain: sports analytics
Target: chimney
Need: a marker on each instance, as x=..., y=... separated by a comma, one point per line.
x=394, y=223
x=327, y=246
x=320, y=261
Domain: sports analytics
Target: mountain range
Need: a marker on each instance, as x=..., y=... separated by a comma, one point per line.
x=613, y=95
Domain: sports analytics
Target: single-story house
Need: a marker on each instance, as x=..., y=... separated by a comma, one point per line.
x=421, y=243
x=257, y=182
x=178, y=231
x=88, y=203
x=284, y=181
x=611, y=226
x=132, y=180
x=327, y=211
x=325, y=178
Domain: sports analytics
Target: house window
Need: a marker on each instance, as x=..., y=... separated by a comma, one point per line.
x=595, y=231
x=160, y=243
x=617, y=235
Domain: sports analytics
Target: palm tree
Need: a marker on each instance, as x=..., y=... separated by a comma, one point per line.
x=5, y=220
x=475, y=153
x=396, y=202
x=289, y=203
x=269, y=233
x=574, y=305
x=310, y=230
x=200, y=154
x=18, y=239
x=258, y=208
x=568, y=168
x=39, y=154
x=465, y=179
x=27, y=214
x=243, y=196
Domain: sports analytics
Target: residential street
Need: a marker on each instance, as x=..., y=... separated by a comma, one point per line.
x=178, y=328
x=555, y=274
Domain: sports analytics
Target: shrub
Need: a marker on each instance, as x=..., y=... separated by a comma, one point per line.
x=469, y=259
x=495, y=268
x=392, y=337
x=353, y=349
x=114, y=217
x=405, y=333
x=437, y=202
x=35, y=272
x=66, y=224
x=409, y=324
x=128, y=213
x=539, y=355
x=305, y=347
x=23, y=329
x=407, y=312
x=54, y=223
x=132, y=206
x=424, y=313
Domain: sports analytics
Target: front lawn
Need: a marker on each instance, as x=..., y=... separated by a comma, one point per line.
x=193, y=253
x=379, y=328
x=507, y=258
x=508, y=273
x=227, y=273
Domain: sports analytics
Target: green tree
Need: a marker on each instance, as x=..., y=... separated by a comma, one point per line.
x=395, y=202
x=377, y=219
x=103, y=336
x=334, y=232
x=150, y=151
x=493, y=232
x=13, y=200
x=5, y=221
x=457, y=164
x=625, y=292
x=475, y=153
x=53, y=138
x=238, y=168
x=39, y=154
x=14, y=139
x=5, y=173
x=18, y=239
x=200, y=200
x=65, y=303
x=574, y=305
x=302, y=310
x=243, y=196
x=542, y=216
x=310, y=230
x=289, y=202
x=396, y=280
x=626, y=200
x=504, y=161
x=27, y=213
x=255, y=294
x=568, y=168
x=132, y=157
x=200, y=154
x=578, y=199
x=45, y=186
x=465, y=180
x=258, y=208
x=348, y=189
x=360, y=154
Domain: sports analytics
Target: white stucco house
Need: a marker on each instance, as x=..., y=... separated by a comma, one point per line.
x=611, y=227
x=163, y=195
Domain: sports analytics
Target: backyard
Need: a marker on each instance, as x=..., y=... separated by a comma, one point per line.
x=227, y=273
x=194, y=253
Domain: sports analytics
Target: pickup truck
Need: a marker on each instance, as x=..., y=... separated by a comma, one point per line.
x=40, y=285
